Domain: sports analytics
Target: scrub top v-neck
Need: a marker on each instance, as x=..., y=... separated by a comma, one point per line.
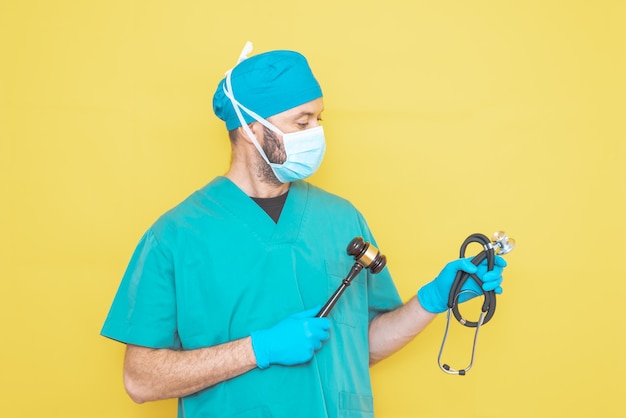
x=273, y=206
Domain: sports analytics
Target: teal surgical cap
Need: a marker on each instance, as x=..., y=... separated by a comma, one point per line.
x=266, y=84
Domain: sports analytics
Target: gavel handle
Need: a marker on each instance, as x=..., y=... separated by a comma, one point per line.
x=328, y=306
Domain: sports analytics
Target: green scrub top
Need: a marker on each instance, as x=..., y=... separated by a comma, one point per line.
x=217, y=267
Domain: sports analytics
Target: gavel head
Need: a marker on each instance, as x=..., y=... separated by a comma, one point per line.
x=367, y=255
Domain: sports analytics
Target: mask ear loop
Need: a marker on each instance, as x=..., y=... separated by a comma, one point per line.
x=228, y=91
x=237, y=106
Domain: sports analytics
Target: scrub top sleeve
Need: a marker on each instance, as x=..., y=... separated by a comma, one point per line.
x=382, y=293
x=144, y=309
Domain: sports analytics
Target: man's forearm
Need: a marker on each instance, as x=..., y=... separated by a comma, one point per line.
x=153, y=374
x=391, y=331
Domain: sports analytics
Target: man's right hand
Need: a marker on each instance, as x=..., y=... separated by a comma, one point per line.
x=292, y=341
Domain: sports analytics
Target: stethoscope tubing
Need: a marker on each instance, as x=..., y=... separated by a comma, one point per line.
x=489, y=302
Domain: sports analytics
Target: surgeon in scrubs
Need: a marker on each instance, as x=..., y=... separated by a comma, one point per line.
x=218, y=304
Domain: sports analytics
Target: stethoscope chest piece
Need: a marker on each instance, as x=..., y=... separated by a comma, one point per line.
x=502, y=243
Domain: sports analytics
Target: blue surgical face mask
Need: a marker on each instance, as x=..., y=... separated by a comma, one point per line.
x=304, y=149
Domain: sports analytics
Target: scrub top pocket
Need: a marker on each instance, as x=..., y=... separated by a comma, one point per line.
x=352, y=405
x=351, y=307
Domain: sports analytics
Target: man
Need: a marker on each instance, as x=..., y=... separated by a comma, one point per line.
x=218, y=304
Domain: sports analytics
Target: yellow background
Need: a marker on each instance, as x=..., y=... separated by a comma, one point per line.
x=442, y=119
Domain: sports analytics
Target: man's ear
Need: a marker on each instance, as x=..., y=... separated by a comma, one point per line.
x=257, y=130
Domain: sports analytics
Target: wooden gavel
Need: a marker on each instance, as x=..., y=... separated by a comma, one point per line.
x=367, y=256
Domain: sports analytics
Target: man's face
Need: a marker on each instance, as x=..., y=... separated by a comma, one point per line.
x=300, y=118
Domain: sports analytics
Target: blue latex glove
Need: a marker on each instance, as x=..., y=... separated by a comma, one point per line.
x=292, y=341
x=434, y=296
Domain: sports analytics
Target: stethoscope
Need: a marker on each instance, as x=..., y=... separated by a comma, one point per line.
x=499, y=244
